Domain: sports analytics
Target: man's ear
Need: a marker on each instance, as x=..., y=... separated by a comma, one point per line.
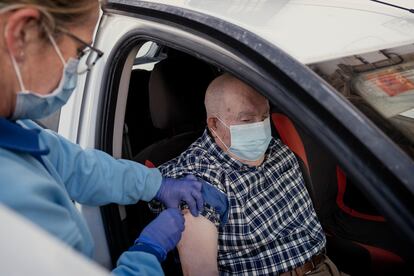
x=16, y=30
x=212, y=123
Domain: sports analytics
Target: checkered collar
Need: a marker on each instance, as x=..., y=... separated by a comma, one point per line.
x=207, y=142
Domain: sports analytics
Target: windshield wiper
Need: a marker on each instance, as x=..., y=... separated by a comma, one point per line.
x=392, y=5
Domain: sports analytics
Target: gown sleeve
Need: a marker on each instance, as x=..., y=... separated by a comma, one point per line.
x=93, y=177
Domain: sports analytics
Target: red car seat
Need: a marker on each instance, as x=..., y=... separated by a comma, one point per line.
x=359, y=240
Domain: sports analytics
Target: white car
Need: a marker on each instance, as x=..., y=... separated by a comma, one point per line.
x=339, y=75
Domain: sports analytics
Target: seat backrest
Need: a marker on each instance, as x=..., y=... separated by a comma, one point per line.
x=137, y=107
x=290, y=136
x=321, y=196
x=324, y=172
x=177, y=86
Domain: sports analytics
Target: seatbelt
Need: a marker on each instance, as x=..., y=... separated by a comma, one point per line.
x=126, y=144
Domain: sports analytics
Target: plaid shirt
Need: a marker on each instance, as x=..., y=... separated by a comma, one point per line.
x=272, y=226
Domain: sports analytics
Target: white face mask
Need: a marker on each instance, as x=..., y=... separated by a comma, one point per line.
x=249, y=141
x=32, y=105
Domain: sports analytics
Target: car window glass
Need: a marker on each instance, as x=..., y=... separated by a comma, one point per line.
x=381, y=85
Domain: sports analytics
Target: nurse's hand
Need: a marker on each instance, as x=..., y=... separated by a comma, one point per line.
x=163, y=233
x=188, y=189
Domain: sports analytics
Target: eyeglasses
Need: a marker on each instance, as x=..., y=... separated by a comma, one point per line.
x=92, y=54
x=88, y=56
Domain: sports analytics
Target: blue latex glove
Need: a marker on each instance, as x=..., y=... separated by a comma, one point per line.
x=163, y=233
x=188, y=189
x=216, y=199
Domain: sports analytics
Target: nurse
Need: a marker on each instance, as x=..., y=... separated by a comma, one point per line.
x=41, y=173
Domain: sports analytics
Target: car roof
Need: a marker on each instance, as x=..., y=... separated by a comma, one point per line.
x=310, y=30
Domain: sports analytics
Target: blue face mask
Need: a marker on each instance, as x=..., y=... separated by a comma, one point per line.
x=31, y=105
x=249, y=141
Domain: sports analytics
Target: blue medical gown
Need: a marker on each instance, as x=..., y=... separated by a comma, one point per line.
x=41, y=173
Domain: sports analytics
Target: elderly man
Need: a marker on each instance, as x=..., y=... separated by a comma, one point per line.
x=272, y=227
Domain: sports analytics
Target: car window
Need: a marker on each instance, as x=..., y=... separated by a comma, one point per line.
x=382, y=88
x=390, y=92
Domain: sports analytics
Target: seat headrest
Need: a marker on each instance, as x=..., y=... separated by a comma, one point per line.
x=176, y=91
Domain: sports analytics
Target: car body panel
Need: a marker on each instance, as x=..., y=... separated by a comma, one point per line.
x=314, y=30
x=335, y=104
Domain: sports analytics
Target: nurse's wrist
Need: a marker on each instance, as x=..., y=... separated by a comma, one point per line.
x=153, y=184
x=147, y=246
x=160, y=190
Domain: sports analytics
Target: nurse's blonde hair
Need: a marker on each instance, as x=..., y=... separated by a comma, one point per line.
x=56, y=13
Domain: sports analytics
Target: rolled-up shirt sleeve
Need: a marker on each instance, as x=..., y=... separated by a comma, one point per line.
x=215, y=199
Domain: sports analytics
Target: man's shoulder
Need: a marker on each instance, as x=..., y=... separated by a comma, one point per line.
x=278, y=148
x=199, y=161
x=276, y=143
x=195, y=154
x=281, y=157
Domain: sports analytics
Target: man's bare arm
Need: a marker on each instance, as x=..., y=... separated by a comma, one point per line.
x=198, y=246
